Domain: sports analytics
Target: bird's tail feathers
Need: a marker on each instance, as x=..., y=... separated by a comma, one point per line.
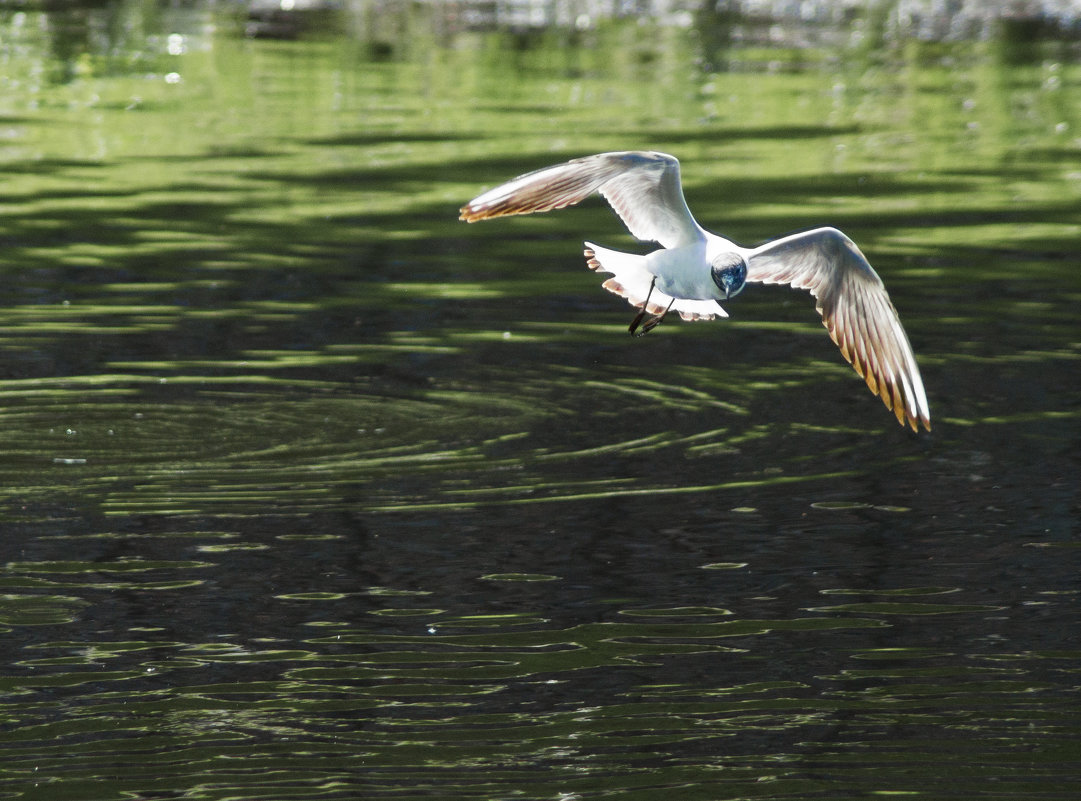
x=632, y=280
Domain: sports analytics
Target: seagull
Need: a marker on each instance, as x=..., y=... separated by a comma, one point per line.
x=694, y=269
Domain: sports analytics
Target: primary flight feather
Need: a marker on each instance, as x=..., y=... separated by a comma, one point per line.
x=694, y=269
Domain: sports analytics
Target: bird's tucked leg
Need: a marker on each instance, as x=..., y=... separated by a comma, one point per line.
x=654, y=319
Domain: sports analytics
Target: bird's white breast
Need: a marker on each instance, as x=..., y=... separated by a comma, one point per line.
x=685, y=272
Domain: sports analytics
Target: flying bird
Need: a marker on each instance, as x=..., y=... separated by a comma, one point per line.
x=694, y=269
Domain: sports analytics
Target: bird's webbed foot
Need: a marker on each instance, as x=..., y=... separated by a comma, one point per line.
x=639, y=328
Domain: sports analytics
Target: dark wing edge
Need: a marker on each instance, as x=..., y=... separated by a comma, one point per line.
x=543, y=190
x=856, y=311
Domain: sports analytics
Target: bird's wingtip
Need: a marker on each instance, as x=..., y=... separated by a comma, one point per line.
x=914, y=419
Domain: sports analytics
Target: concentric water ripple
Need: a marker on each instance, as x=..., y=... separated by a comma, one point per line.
x=198, y=444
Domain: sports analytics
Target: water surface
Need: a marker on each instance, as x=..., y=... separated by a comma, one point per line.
x=311, y=491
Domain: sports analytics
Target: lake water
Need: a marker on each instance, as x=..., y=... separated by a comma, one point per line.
x=310, y=490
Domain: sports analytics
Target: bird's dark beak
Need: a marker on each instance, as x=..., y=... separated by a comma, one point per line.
x=727, y=284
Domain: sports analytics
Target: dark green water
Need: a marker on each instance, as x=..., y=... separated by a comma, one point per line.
x=311, y=491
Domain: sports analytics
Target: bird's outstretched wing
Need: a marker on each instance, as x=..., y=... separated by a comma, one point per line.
x=855, y=309
x=643, y=187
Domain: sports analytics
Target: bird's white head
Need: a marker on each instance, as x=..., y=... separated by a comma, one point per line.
x=729, y=272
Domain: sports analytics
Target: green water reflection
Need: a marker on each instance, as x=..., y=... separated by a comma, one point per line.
x=310, y=491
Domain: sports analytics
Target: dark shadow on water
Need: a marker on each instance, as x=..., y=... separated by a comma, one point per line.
x=371, y=138
x=51, y=165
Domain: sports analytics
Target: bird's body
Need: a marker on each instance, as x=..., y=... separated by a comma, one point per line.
x=695, y=269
